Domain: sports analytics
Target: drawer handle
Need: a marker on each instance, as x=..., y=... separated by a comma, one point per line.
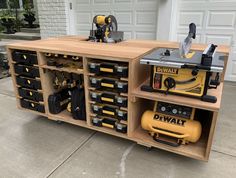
x=107, y=85
x=106, y=70
x=28, y=81
x=107, y=99
x=108, y=112
x=24, y=56
x=27, y=70
x=32, y=104
x=30, y=93
x=107, y=125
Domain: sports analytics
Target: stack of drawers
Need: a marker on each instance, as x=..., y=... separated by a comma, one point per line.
x=28, y=80
x=109, y=94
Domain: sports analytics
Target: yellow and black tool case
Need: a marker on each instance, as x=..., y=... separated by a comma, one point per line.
x=109, y=98
x=190, y=76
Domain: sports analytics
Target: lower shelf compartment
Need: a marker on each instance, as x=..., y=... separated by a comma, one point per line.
x=65, y=116
x=193, y=150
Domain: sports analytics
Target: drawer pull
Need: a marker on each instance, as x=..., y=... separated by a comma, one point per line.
x=107, y=99
x=28, y=81
x=107, y=85
x=108, y=112
x=32, y=104
x=24, y=56
x=30, y=93
x=106, y=70
x=107, y=125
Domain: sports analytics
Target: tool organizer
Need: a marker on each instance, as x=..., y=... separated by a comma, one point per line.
x=113, y=77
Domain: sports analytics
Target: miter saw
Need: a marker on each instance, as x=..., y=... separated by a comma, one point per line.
x=106, y=31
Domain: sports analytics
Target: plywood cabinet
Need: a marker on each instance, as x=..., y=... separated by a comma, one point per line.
x=112, y=76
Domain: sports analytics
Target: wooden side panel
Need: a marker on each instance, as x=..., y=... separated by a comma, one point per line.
x=11, y=64
x=86, y=88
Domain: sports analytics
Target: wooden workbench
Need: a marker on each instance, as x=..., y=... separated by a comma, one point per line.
x=129, y=52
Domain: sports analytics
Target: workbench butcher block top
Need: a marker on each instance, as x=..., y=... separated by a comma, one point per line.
x=125, y=50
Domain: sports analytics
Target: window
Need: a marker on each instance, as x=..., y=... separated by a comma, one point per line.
x=19, y=4
x=3, y=4
x=30, y=1
x=14, y=4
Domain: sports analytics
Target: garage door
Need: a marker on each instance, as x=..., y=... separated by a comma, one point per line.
x=137, y=18
x=215, y=20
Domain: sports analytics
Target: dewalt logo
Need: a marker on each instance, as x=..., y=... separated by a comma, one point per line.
x=170, y=120
x=167, y=70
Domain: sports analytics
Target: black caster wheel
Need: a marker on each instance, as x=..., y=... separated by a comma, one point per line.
x=59, y=122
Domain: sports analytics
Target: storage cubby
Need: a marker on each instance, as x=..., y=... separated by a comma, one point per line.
x=112, y=78
x=198, y=150
x=62, y=62
x=108, y=94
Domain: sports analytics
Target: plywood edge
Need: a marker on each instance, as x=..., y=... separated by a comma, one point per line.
x=174, y=44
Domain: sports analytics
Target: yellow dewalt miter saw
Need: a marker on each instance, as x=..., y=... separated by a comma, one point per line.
x=106, y=31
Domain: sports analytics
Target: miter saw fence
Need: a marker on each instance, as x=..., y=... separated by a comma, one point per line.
x=106, y=31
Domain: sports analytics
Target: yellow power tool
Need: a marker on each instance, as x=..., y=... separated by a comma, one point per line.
x=172, y=121
x=106, y=30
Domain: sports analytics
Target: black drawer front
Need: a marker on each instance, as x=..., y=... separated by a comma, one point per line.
x=104, y=110
x=108, y=98
x=25, y=57
x=110, y=84
x=108, y=68
x=109, y=123
x=26, y=71
x=31, y=95
x=107, y=110
x=32, y=106
x=28, y=83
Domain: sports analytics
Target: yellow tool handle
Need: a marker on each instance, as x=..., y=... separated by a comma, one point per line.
x=167, y=133
x=106, y=70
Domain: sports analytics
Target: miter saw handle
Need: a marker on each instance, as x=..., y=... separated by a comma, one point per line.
x=192, y=30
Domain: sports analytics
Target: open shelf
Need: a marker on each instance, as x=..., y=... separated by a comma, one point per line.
x=194, y=150
x=181, y=100
x=65, y=116
x=63, y=69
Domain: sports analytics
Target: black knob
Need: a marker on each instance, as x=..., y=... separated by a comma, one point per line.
x=169, y=83
x=194, y=72
x=167, y=52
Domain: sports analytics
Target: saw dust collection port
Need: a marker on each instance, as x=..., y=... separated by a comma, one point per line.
x=177, y=128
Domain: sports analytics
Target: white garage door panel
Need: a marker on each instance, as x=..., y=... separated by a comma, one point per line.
x=221, y=19
x=186, y=17
x=137, y=18
x=216, y=23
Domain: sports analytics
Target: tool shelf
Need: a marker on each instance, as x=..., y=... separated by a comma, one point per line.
x=126, y=53
x=182, y=100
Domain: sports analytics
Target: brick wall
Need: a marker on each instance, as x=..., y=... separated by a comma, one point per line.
x=52, y=18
